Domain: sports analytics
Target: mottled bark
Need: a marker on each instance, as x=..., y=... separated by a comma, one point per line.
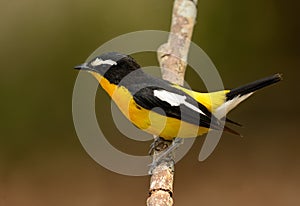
x=172, y=57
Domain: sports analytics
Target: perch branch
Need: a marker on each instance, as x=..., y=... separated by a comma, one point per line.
x=172, y=57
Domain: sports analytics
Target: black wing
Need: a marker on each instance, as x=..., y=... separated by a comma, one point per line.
x=145, y=98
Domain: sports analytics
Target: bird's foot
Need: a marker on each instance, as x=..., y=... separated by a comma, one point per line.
x=166, y=154
x=159, y=144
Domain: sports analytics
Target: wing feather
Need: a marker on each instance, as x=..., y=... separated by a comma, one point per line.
x=146, y=98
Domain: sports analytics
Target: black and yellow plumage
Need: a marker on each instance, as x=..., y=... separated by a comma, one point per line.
x=160, y=107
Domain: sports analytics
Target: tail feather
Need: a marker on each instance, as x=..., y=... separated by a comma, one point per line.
x=237, y=95
x=253, y=86
x=231, y=131
x=233, y=122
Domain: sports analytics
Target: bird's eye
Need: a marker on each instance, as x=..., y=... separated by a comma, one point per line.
x=99, y=61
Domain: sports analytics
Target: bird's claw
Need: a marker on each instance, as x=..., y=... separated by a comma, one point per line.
x=159, y=144
x=165, y=155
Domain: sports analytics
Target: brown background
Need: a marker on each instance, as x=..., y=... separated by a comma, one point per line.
x=41, y=160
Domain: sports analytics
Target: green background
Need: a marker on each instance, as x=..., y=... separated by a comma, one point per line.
x=41, y=159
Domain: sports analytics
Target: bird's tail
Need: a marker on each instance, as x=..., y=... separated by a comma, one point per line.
x=253, y=86
x=239, y=94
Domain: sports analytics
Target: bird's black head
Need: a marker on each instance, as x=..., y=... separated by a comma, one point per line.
x=113, y=66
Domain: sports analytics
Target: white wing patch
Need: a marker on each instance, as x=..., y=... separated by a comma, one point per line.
x=175, y=99
x=222, y=110
x=99, y=61
x=172, y=98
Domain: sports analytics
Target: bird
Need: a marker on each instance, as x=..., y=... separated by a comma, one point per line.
x=162, y=108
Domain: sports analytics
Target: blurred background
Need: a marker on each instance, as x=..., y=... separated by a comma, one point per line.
x=41, y=159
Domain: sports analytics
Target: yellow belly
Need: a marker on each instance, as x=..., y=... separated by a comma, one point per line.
x=149, y=121
x=157, y=124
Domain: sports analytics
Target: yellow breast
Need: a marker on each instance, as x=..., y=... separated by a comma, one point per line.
x=149, y=121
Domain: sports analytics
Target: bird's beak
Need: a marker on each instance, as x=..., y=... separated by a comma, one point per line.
x=83, y=66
